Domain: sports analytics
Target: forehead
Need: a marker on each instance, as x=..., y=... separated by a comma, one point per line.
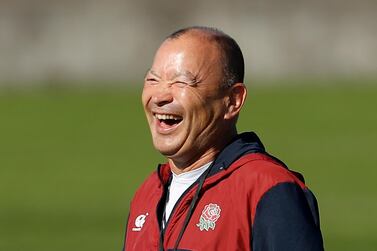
x=187, y=53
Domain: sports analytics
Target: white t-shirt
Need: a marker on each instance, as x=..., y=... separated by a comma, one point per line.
x=179, y=184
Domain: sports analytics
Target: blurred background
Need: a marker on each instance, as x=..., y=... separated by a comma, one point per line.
x=74, y=144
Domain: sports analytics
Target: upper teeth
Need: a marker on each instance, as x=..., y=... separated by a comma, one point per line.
x=166, y=116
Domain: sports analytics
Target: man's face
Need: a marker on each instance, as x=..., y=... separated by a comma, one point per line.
x=183, y=99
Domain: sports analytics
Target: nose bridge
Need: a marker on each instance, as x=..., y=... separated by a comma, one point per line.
x=163, y=94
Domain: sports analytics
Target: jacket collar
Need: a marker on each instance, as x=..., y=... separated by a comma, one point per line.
x=244, y=143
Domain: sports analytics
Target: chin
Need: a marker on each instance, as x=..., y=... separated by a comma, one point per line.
x=166, y=150
x=167, y=145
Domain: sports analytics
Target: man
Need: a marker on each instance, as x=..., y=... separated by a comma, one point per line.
x=219, y=190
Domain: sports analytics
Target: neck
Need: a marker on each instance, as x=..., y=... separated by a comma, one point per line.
x=179, y=168
x=201, y=159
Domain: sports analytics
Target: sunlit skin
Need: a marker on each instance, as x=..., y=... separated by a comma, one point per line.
x=184, y=86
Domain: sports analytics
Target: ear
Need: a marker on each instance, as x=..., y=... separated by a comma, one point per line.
x=237, y=95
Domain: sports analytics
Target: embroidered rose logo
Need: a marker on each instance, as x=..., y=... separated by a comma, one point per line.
x=210, y=215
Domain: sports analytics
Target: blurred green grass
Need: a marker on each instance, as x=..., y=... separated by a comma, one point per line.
x=71, y=159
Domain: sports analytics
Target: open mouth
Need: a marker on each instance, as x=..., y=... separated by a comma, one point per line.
x=168, y=120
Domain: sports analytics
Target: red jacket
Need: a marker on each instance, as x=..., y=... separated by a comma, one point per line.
x=249, y=200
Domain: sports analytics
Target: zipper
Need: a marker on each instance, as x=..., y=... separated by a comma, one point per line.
x=181, y=198
x=200, y=182
x=160, y=211
x=179, y=201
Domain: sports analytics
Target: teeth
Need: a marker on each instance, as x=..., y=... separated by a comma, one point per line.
x=166, y=116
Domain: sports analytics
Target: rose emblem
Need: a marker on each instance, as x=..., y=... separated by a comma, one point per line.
x=210, y=214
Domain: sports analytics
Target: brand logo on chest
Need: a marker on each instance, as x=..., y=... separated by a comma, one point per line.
x=210, y=214
x=139, y=222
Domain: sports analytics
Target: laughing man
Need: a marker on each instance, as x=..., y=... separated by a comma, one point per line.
x=219, y=190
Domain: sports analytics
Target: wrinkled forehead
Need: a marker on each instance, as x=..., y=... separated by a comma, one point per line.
x=186, y=53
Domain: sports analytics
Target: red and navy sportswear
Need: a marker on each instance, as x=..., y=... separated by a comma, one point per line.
x=247, y=200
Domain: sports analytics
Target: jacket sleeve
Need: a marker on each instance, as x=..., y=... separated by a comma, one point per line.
x=284, y=221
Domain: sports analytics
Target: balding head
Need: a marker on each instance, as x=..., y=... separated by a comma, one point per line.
x=232, y=61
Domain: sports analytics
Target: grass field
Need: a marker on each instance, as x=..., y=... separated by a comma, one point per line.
x=70, y=161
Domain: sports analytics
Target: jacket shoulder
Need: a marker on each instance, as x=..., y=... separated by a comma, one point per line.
x=259, y=173
x=151, y=183
x=266, y=170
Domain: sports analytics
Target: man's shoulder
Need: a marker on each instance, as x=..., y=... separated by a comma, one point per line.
x=259, y=173
x=264, y=170
x=151, y=183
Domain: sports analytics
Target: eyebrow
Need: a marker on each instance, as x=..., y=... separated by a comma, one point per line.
x=149, y=71
x=187, y=74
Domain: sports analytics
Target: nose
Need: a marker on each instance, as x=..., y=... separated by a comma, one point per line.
x=163, y=95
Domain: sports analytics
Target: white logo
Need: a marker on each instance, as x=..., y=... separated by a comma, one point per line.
x=210, y=214
x=139, y=222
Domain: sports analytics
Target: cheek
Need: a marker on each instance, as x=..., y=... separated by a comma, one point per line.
x=181, y=93
x=146, y=95
x=200, y=105
x=190, y=99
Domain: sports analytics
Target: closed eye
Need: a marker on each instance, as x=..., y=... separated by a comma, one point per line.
x=151, y=80
x=181, y=83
